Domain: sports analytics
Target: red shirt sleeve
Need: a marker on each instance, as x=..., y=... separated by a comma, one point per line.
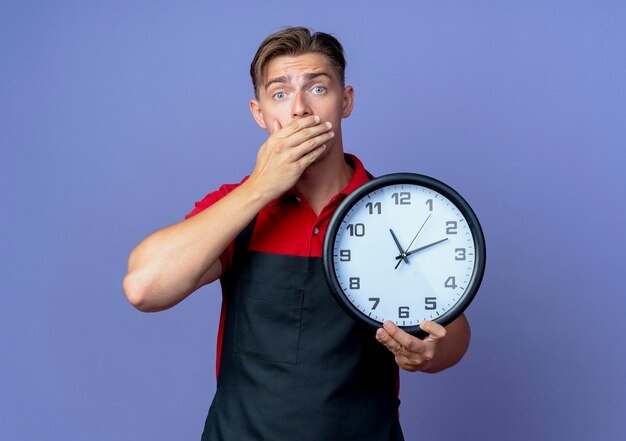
x=205, y=203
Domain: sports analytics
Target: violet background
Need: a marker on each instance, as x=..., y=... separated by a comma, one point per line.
x=115, y=116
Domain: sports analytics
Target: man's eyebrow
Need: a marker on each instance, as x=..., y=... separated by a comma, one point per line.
x=285, y=80
x=311, y=76
x=282, y=79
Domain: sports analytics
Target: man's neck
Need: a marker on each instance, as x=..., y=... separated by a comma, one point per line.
x=324, y=179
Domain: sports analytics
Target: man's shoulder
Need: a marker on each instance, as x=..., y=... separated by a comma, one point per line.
x=360, y=176
x=213, y=197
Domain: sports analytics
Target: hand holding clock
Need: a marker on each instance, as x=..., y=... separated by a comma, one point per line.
x=440, y=349
x=411, y=353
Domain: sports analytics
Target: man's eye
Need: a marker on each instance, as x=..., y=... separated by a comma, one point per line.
x=319, y=89
x=279, y=96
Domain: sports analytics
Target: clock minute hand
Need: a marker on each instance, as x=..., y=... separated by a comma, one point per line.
x=408, y=253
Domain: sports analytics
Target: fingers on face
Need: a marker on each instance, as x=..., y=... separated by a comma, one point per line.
x=310, y=156
x=300, y=131
x=299, y=124
x=310, y=138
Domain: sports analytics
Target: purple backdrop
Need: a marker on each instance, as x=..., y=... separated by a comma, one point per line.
x=116, y=116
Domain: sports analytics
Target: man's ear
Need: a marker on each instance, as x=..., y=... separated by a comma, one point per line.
x=348, y=101
x=257, y=113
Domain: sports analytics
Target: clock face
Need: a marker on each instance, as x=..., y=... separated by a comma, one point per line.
x=404, y=248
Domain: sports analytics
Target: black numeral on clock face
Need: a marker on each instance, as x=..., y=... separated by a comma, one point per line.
x=430, y=303
x=375, y=207
x=450, y=282
x=355, y=283
x=402, y=198
x=451, y=227
x=459, y=254
x=429, y=202
x=403, y=312
x=357, y=230
x=345, y=255
x=376, y=301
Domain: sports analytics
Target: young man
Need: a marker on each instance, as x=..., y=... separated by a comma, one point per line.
x=291, y=363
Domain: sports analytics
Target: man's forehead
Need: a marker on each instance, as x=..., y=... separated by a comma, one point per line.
x=288, y=68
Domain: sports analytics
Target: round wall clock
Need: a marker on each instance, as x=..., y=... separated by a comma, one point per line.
x=404, y=247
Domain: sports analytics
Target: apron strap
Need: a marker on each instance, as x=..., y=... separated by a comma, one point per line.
x=240, y=250
x=243, y=240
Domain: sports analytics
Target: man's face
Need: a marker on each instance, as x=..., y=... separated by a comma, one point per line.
x=296, y=87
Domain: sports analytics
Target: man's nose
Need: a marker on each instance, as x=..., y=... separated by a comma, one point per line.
x=300, y=106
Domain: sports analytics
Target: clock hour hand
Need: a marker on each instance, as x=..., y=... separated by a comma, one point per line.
x=408, y=253
x=402, y=252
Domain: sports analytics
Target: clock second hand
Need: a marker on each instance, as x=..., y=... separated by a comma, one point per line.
x=418, y=232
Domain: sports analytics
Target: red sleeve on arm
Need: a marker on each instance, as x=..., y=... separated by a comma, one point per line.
x=205, y=203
